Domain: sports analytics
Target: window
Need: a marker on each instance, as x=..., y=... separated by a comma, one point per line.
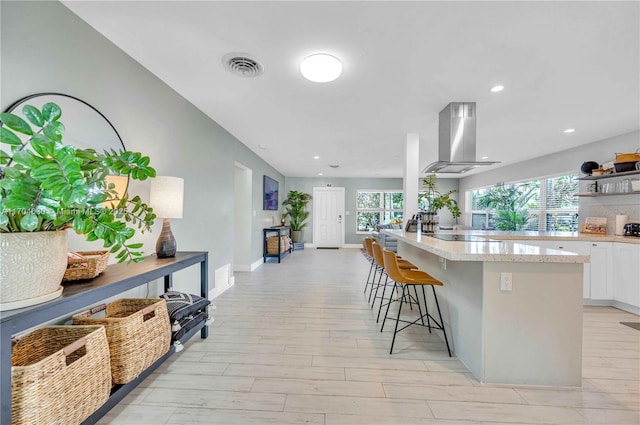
x=543, y=204
x=377, y=207
x=561, y=212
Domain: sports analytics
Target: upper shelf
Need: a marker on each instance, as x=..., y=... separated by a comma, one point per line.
x=593, y=194
x=610, y=175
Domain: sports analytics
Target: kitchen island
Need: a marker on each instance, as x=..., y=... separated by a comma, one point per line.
x=530, y=334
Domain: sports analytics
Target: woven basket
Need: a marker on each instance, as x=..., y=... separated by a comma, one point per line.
x=88, y=265
x=59, y=375
x=138, y=331
x=272, y=244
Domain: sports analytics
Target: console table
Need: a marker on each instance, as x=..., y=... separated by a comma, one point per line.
x=117, y=278
x=277, y=231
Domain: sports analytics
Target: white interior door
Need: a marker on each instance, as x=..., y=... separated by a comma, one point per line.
x=328, y=217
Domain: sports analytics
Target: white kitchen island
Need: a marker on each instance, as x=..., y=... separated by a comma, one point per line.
x=531, y=335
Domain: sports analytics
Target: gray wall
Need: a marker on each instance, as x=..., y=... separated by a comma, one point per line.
x=45, y=47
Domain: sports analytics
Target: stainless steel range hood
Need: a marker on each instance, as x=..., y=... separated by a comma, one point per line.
x=457, y=140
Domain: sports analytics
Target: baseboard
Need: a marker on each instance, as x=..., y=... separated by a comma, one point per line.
x=627, y=307
x=346, y=245
x=257, y=264
x=603, y=303
x=613, y=303
x=217, y=291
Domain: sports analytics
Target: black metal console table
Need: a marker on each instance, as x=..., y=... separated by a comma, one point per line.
x=117, y=278
x=278, y=231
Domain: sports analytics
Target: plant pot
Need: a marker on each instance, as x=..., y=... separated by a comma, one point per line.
x=32, y=265
x=296, y=236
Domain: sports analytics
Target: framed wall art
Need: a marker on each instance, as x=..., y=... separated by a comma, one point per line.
x=270, y=194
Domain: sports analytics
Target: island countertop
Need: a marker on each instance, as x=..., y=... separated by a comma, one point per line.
x=490, y=250
x=548, y=236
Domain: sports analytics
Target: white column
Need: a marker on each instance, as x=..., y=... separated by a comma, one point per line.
x=411, y=175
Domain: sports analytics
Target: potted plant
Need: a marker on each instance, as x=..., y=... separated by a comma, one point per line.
x=295, y=208
x=433, y=201
x=47, y=187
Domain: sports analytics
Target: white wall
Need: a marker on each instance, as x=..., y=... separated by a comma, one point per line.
x=567, y=161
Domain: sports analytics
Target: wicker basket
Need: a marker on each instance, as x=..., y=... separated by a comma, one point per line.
x=87, y=265
x=138, y=331
x=272, y=244
x=59, y=375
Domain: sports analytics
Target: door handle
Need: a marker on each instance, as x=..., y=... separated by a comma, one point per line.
x=339, y=218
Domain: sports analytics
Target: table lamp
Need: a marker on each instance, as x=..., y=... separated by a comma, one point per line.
x=166, y=199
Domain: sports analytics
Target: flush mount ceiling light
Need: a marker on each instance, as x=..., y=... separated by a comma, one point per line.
x=321, y=68
x=496, y=89
x=570, y=130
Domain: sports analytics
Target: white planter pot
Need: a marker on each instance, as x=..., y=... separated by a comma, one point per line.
x=32, y=265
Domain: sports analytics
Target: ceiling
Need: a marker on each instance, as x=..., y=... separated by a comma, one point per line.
x=563, y=65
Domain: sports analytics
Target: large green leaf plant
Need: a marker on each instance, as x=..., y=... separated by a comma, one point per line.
x=295, y=208
x=46, y=185
x=433, y=200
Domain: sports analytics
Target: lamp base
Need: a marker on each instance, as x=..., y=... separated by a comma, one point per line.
x=166, y=244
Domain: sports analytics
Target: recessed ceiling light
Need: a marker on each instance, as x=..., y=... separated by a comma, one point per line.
x=485, y=157
x=262, y=146
x=319, y=174
x=316, y=157
x=321, y=68
x=570, y=130
x=496, y=89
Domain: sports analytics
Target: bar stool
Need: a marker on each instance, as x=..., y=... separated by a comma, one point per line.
x=402, y=264
x=368, y=253
x=406, y=279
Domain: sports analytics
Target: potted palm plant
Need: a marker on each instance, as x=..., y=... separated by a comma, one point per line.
x=47, y=187
x=295, y=208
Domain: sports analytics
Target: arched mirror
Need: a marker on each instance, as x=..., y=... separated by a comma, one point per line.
x=85, y=126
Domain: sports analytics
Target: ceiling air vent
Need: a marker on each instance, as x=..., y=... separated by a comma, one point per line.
x=242, y=64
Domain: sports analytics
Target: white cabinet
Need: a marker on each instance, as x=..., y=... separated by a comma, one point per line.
x=601, y=271
x=626, y=273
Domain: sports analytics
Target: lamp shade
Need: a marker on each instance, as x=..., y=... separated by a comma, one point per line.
x=166, y=196
x=120, y=184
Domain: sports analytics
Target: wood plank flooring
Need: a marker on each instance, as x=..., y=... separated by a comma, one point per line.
x=296, y=343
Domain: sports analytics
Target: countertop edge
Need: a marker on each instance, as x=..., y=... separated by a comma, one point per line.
x=509, y=251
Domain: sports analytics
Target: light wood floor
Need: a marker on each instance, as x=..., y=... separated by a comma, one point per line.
x=295, y=343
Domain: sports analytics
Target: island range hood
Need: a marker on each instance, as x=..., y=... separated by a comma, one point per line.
x=457, y=140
